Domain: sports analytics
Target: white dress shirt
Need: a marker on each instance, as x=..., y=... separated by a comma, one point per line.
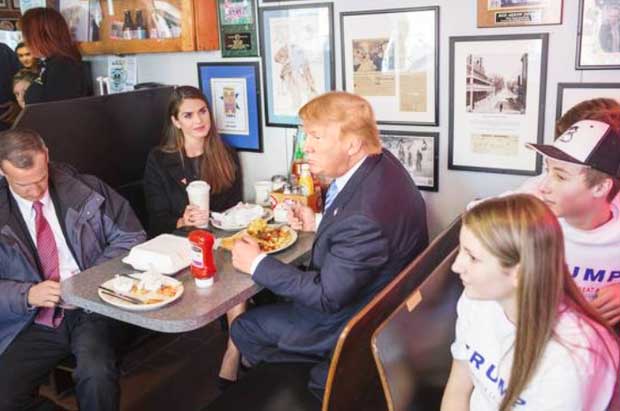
x=67, y=264
x=339, y=182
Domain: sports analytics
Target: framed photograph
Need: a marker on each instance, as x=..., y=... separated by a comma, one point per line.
x=233, y=92
x=497, y=102
x=502, y=13
x=598, y=35
x=418, y=152
x=297, y=48
x=4, y=4
x=570, y=94
x=237, y=20
x=391, y=57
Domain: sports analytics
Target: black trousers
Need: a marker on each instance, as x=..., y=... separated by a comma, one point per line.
x=28, y=360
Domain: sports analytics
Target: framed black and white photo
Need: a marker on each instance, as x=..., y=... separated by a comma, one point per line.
x=418, y=152
x=598, y=35
x=391, y=58
x=233, y=92
x=571, y=94
x=297, y=48
x=503, y=13
x=497, y=102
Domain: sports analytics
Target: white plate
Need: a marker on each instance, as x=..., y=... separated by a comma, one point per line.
x=267, y=215
x=284, y=246
x=110, y=299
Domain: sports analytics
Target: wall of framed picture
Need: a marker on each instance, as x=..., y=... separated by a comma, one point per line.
x=571, y=94
x=477, y=179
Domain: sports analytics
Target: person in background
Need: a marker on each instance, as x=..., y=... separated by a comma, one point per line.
x=26, y=59
x=373, y=225
x=55, y=223
x=9, y=65
x=63, y=75
x=21, y=81
x=526, y=339
x=192, y=150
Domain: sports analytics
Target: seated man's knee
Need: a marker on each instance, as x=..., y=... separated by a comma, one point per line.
x=92, y=367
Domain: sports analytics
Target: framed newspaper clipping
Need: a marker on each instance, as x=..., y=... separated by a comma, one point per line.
x=497, y=102
x=391, y=58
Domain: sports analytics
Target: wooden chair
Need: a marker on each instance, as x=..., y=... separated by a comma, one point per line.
x=353, y=381
x=412, y=347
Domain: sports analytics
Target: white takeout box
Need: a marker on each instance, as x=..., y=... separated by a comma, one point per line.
x=165, y=253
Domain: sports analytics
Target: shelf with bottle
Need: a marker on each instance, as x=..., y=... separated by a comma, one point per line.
x=139, y=26
x=300, y=169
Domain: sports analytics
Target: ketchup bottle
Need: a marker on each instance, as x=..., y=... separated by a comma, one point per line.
x=203, y=265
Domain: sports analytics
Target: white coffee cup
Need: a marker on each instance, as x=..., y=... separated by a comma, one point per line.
x=262, y=189
x=198, y=195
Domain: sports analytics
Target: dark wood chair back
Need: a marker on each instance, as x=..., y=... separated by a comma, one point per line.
x=412, y=347
x=353, y=382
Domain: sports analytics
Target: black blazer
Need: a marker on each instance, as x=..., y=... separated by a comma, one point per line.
x=165, y=180
x=61, y=78
x=374, y=228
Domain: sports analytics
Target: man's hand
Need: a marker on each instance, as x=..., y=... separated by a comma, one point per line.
x=44, y=294
x=607, y=302
x=244, y=252
x=301, y=217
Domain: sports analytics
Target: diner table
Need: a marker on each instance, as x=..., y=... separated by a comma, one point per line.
x=195, y=308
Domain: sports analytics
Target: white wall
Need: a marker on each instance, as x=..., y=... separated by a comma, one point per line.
x=457, y=18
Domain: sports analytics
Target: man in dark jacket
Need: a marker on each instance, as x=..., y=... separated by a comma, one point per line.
x=54, y=223
x=373, y=225
x=9, y=65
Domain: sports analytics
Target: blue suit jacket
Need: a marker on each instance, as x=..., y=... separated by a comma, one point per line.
x=376, y=225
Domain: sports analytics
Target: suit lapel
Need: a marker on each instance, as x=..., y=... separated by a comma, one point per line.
x=345, y=195
x=173, y=166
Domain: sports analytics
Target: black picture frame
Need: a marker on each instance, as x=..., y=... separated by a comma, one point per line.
x=406, y=158
x=239, y=75
x=288, y=117
x=596, y=92
x=352, y=77
x=498, y=147
x=588, y=39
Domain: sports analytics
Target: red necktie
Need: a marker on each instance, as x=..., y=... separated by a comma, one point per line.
x=48, y=257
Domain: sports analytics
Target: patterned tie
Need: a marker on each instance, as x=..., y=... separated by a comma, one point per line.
x=331, y=194
x=48, y=256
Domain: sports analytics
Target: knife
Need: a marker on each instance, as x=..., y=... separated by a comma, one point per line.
x=120, y=296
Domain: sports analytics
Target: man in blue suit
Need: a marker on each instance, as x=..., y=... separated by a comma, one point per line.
x=374, y=223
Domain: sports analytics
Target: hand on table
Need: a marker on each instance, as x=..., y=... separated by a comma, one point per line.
x=607, y=302
x=44, y=294
x=244, y=252
x=301, y=217
x=193, y=216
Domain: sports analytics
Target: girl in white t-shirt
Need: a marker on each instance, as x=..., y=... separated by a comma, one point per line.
x=525, y=337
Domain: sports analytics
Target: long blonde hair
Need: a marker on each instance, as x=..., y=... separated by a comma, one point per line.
x=522, y=230
x=218, y=167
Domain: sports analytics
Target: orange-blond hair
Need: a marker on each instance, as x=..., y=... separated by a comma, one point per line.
x=352, y=112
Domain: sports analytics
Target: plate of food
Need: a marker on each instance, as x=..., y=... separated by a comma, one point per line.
x=271, y=238
x=140, y=291
x=238, y=217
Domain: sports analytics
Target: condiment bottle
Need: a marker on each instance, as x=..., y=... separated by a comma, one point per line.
x=203, y=264
x=305, y=180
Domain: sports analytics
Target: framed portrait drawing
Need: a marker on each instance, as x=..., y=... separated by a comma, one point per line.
x=233, y=92
x=237, y=20
x=502, y=13
x=497, y=101
x=297, y=48
x=598, y=35
x=419, y=154
x=391, y=58
x=570, y=94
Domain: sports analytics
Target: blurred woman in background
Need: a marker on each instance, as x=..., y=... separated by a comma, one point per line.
x=63, y=75
x=526, y=339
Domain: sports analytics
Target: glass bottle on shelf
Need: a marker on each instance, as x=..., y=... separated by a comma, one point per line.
x=140, y=28
x=128, y=26
x=305, y=180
